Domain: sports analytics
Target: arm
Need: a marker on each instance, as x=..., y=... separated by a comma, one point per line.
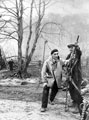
x=64, y=62
x=78, y=53
x=68, y=56
x=43, y=73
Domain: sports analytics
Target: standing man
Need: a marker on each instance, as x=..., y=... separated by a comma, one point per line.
x=51, y=77
x=11, y=64
x=76, y=75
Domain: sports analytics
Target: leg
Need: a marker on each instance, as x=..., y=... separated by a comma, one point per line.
x=77, y=99
x=75, y=95
x=71, y=90
x=45, y=97
x=54, y=91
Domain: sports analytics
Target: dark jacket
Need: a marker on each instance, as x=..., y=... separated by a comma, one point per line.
x=75, y=67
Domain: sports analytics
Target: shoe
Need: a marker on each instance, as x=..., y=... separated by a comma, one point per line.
x=72, y=104
x=76, y=111
x=51, y=103
x=43, y=109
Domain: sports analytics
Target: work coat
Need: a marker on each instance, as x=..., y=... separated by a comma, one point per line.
x=50, y=66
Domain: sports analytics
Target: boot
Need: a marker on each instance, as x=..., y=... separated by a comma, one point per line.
x=76, y=110
x=72, y=104
x=43, y=109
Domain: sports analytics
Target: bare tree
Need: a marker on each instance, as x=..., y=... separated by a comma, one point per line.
x=40, y=11
x=13, y=27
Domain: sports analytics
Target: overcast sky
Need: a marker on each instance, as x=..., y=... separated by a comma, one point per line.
x=65, y=7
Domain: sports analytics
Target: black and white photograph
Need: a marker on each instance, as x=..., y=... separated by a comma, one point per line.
x=44, y=59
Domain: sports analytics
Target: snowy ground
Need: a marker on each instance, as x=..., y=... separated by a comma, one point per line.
x=23, y=102
x=20, y=110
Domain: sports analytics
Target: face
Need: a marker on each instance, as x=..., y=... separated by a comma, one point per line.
x=72, y=49
x=55, y=55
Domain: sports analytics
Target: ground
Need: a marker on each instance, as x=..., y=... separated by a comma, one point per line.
x=23, y=101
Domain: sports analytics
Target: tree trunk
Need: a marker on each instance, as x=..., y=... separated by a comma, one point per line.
x=20, y=33
x=26, y=66
x=19, y=56
x=28, y=60
x=37, y=33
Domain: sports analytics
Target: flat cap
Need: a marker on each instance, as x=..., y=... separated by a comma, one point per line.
x=54, y=50
x=72, y=45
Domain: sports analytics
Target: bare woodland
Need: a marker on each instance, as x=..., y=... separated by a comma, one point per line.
x=35, y=32
x=14, y=28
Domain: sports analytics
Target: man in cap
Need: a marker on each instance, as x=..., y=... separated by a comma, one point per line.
x=76, y=75
x=51, y=77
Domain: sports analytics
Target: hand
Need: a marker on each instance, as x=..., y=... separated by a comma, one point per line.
x=44, y=84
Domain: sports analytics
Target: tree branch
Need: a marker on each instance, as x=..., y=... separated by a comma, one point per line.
x=9, y=35
x=30, y=29
x=10, y=10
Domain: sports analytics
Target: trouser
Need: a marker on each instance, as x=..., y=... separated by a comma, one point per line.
x=45, y=94
x=75, y=95
x=11, y=67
